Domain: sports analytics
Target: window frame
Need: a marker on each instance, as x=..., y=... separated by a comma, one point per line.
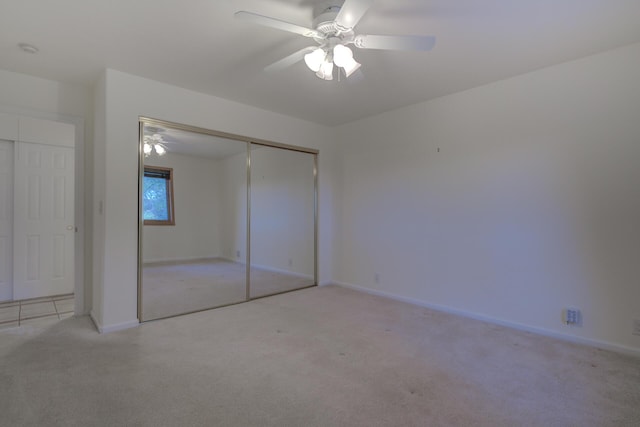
x=170, y=200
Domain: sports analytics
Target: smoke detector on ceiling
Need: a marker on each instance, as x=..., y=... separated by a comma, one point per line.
x=28, y=48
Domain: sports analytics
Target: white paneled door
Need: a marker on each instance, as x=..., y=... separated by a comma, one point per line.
x=44, y=227
x=6, y=220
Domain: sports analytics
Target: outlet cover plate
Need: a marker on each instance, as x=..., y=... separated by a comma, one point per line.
x=572, y=317
x=636, y=327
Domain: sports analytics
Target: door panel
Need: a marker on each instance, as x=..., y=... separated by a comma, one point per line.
x=196, y=263
x=282, y=220
x=6, y=220
x=44, y=222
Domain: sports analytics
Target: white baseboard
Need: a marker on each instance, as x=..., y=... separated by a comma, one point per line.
x=105, y=329
x=618, y=348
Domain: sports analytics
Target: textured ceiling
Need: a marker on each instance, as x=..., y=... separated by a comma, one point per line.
x=197, y=44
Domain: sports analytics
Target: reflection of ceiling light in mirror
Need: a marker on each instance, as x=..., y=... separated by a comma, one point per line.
x=154, y=143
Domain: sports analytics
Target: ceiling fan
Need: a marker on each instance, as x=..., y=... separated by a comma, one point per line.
x=333, y=31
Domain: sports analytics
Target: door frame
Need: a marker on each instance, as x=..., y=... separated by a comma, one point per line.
x=82, y=286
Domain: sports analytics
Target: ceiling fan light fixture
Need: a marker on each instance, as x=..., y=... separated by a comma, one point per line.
x=147, y=148
x=333, y=29
x=350, y=67
x=326, y=71
x=341, y=55
x=315, y=59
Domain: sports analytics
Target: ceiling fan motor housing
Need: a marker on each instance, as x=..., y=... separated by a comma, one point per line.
x=326, y=17
x=325, y=23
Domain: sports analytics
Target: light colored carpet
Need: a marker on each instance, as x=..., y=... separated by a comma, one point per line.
x=318, y=357
x=169, y=289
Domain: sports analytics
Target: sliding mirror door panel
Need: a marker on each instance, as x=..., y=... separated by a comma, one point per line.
x=193, y=220
x=282, y=220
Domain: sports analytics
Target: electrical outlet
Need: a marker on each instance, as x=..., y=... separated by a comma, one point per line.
x=237, y=254
x=572, y=316
x=636, y=327
x=290, y=262
x=376, y=277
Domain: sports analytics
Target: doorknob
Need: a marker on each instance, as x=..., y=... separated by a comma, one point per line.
x=70, y=227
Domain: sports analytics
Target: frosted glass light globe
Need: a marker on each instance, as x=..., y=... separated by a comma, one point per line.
x=315, y=59
x=326, y=71
x=342, y=55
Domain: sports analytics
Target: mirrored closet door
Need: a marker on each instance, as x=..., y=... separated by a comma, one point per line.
x=282, y=220
x=194, y=202
x=212, y=204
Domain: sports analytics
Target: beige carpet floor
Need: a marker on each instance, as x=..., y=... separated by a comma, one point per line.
x=318, y=357
x=169, y=289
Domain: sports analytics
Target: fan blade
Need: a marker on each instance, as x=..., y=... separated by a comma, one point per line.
x=290, y=60
x=351, y=12
x=277, y=24
x=423, y=43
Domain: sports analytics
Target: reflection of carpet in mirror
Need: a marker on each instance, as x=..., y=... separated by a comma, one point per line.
x=175, y=288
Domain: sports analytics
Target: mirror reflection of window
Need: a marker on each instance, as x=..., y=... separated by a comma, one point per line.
x=157, y=196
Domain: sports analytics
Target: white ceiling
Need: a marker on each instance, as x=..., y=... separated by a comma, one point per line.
x=197, y=44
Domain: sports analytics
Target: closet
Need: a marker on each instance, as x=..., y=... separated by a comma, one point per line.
x=37, y=187
x=223, y=219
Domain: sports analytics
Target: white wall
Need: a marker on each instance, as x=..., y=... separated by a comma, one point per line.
x=127, y=97
x=531, y=205
x=47, y=99
x=196, y=232
x=34, y=93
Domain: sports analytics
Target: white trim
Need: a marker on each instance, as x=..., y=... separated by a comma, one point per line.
x=113, y=328
x=618, y=348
